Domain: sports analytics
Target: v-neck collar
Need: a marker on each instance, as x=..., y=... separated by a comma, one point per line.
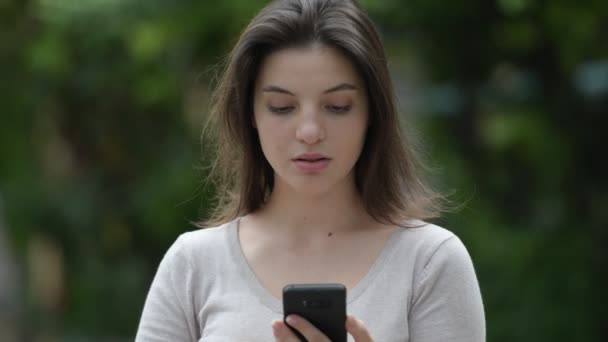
x=275, y=304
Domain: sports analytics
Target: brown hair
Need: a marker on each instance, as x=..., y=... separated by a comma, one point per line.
x=386, y=172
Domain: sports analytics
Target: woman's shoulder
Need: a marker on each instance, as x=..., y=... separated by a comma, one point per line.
x=427, y=241
x=424, y=233
x=202, y=242
x=207, y=234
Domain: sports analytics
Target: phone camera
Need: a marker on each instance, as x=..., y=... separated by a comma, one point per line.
x=319, y=303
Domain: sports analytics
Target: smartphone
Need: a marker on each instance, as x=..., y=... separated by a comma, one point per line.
x=323, y=305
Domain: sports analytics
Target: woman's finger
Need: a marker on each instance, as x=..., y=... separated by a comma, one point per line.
x=282, y=333
x=357, y=329
x=306, y=328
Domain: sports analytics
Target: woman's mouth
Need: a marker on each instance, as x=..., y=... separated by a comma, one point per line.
x=312, y=163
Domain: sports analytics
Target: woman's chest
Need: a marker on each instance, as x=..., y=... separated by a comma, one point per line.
x=235, y=317
x=345, y=262
x=237, y=314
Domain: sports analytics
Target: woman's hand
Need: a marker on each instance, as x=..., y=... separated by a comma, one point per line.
x=282, y=333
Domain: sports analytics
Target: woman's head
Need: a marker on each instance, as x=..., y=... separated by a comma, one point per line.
x=311, y=115
x=384, y=174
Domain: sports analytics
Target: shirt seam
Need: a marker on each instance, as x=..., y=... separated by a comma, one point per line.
x=424, y=272
x=182, y=252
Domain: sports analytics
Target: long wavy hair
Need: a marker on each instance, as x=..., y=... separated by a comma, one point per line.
x=387, y=172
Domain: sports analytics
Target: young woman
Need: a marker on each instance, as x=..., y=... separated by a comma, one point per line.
x=317, y=185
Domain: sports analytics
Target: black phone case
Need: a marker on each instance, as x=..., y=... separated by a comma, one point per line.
x=323, y=305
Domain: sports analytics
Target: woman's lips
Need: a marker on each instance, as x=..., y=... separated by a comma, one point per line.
x=312, y=165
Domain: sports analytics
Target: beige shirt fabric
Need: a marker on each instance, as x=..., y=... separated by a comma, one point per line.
x=421, y=288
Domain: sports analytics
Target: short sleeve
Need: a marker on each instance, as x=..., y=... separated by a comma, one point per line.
x=168, y=313
x=446, y=301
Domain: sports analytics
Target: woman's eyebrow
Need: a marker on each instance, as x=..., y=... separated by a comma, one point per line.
x=275, y=89
x=339, y=87
x=342, y=86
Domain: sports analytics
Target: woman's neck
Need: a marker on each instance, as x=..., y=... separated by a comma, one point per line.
x=295, y=213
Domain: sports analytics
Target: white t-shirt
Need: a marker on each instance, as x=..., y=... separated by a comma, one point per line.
x=421, y=288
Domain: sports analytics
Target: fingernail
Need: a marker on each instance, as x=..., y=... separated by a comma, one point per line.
x=292, y=320
x=275, y=330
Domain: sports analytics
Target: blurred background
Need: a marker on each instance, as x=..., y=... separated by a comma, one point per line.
x=101, y=165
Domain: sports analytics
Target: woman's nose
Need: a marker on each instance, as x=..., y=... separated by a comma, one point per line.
x=310, y=128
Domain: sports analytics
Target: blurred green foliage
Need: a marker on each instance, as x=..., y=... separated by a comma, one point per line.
x=101, y=166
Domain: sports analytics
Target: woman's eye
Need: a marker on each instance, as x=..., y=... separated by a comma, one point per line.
x=280, y=110
x=338, y=109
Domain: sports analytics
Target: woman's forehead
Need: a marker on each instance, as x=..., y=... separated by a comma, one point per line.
x=320, y=67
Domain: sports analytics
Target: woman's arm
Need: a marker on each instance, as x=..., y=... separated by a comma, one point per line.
x=168, y=314
x=446, y=303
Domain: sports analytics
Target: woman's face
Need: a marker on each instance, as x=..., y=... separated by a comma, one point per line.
x=311, y=114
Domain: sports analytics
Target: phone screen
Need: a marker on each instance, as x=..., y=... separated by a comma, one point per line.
x=323, y=305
